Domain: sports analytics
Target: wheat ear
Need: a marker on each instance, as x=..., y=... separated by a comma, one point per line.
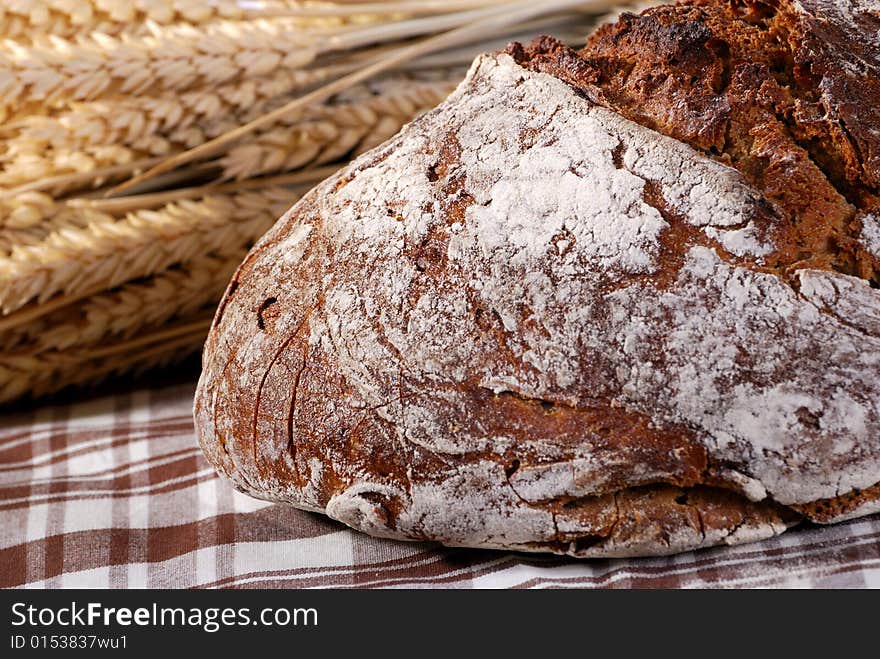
x=20, y=19
x=29, y=218
x=59, y=184
x=69, y=18
x=325, y=134
x=77, y=143
x=179, y=291
x=134, y=120
x=78, y=318
x=38, y=375
x=107, y=252
x=175, y=57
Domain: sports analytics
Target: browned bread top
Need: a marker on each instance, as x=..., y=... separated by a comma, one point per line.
x=786, y=92
x=530, y=322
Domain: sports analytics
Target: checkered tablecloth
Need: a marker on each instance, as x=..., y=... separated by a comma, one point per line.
x=113, y=492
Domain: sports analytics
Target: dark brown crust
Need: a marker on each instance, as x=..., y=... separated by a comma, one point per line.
x=643, y=520
x=760, y=86
x=264, y=433
x=838, y=508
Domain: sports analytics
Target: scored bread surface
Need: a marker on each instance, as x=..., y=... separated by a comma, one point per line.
x=529, y=322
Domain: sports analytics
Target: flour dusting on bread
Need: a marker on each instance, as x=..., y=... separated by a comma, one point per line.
x=870, y=235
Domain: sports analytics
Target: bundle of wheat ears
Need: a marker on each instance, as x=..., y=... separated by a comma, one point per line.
x=147, y=144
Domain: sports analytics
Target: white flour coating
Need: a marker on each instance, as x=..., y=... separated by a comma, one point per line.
x=455, y=505
x=851, y=300
x=294, y=245
x=750, y=487
x=675, y=355
x=870, y=236
x=563, y=201
x=570, y=180
x=741, y=242
x=780, y=417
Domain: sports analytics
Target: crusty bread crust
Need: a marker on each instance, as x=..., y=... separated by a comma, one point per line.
x=528, y=322
x=785, y=92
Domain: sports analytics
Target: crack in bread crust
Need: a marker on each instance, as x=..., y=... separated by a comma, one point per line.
x=479, y=337
x=785, y=92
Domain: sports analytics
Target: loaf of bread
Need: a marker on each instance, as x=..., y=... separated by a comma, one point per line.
x=622, y=301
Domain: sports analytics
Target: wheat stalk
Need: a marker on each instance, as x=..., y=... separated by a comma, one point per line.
x=397, y=7
x=131, y=120
x=44, y=373
x=177, y=292
x=325, y=134
x=107, y=252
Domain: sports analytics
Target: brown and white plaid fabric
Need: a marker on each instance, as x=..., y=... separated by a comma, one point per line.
x=115, y=493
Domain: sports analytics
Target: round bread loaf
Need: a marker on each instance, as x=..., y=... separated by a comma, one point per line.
x=608, y=303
